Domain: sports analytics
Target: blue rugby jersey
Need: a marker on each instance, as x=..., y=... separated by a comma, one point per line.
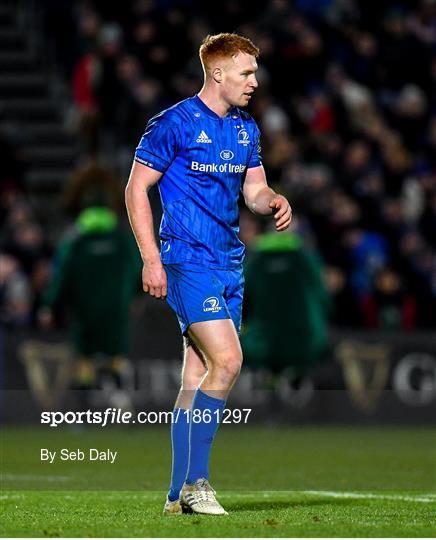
x=203, y=158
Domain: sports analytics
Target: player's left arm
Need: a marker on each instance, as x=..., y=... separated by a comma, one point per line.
x=264, y=201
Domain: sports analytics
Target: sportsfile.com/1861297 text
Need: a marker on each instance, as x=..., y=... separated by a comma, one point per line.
x=112, y=416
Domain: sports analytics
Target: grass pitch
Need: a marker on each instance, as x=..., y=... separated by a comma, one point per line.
x=294, y=481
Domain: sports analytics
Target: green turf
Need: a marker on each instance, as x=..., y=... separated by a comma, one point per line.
x=272, y=514
x=359, y=481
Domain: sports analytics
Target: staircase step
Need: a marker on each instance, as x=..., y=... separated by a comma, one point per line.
x=47, y=156
x=44, y=133
x=8, y=15
x=38, y=178
x=14, y=62
x=28, y=109
x=12, y=40
x=17, y=86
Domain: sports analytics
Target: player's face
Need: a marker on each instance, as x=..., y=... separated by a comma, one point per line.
x=239, y=80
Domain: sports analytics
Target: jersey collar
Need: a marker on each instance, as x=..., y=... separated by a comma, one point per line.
x=201, y=105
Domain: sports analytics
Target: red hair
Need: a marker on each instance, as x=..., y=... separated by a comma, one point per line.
x=225, y=46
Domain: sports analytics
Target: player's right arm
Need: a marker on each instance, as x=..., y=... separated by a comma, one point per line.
x=142, y=178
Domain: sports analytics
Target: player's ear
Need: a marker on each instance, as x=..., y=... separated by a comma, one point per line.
x=217, y=74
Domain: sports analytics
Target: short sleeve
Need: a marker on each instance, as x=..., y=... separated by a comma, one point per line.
x=255, y=157
x=159, y=145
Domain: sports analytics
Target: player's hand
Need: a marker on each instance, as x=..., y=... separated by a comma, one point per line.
x=154, y=279
x=282, y=212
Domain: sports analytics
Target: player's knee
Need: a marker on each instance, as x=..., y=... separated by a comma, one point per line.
x=227, y=367
x=193, y=380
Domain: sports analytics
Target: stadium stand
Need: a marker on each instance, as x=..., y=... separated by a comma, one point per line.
x=346, y=106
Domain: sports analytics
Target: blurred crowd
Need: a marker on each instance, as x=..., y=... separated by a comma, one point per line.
x=347, y=110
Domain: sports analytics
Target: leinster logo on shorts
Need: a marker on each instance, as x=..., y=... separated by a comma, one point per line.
x=243, y=137
x=211, y=304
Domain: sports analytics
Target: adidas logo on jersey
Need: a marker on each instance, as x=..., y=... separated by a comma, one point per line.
x=203, y=138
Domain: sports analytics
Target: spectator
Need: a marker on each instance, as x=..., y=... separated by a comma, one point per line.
x=389, y=307
x=347, y=115
x=343, y=312
x=96, y=276
x=15, y=293
x=286, y=305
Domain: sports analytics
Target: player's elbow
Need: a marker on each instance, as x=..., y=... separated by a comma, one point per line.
x=132, y=189
x=249, y=202
x=252, y=207
x=128, y=195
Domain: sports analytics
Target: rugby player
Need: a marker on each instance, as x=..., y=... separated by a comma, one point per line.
x=201, y=152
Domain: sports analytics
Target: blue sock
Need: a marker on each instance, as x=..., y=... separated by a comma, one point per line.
x=206, y=416
x=180, y=448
